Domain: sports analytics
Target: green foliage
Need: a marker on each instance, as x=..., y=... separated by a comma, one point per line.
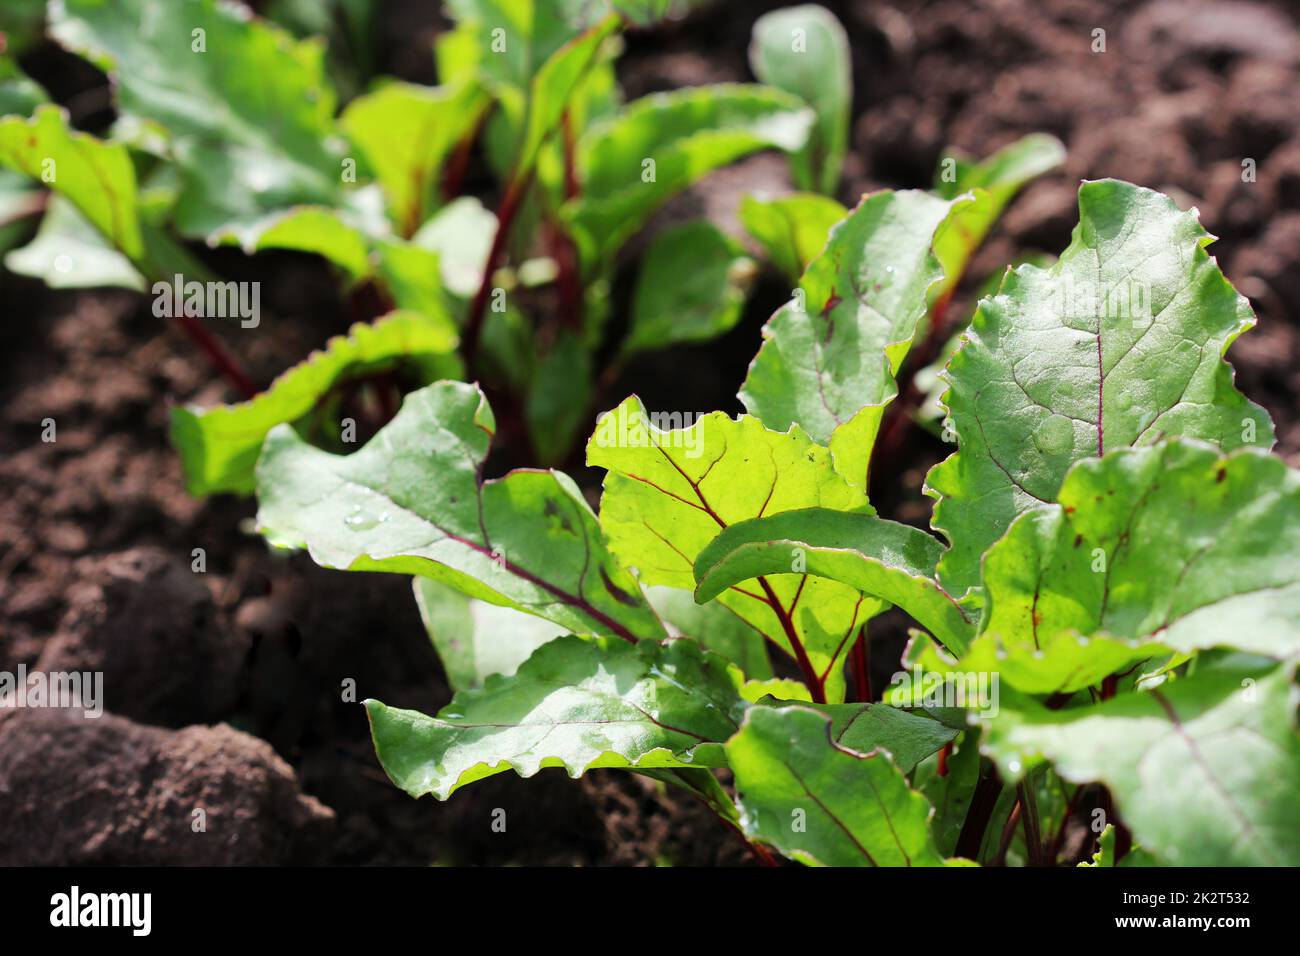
x=804, y=50
x=219, y=446
x=691, y=288
x=1119, y=343
x=661, y=144
x=1115, y=558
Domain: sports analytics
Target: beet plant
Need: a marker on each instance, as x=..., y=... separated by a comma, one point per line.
x=1107, y=620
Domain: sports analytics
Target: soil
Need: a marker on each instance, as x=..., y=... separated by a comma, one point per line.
x=227, y=685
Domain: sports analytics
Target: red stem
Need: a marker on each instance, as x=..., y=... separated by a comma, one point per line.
x=510, y=205
x=458, y=164
x=217, y=354
x=982, y=804
x=569, y=281
x=816, y=685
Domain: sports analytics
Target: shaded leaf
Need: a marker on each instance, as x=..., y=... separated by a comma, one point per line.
x=691, y=288
x=475, y=639
x=716, y=627
x=1196, y=765
x=822, y=804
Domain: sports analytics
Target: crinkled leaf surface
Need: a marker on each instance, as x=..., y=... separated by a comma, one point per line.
x=219, y=446
x=687, y=134
x=95, y=176
x=475, y=639
x=833, y=349
x=1175, y=546
x=1203, y=769
x=411, y=501
x=691, y=287
x=250, y=117
x=820, y=803
x=883, y=559
x=576, y=704
x=805, y=51
x=1120, y=343
x=668, y=493
x=791, y=229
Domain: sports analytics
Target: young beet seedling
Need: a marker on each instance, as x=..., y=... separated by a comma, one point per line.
x=199, y=153
x=1107, y=633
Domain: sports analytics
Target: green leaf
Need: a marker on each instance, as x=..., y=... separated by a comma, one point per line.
x=249, y=110
x=881, y=559
x=1174, y=543
x=820, y=803
x=552, y=86
x=1120, y=343
x=475, y=639
x=1105, y=854
x=411, y=501
x=559, y=398
x=804, y=50
x=791, y=229
x=405, y=131
x=69, y=253
x=663, y=143
x=717, y=628
x=994, y=180
x=668, y=493
x=219, y=446
x=19, y=93
x=952, y=792
x=95, y=176
x=461, y=234
x=908, y=737
x=1196, y=766
x=329, y=233
x=691, y=288
x=577, y=704
x=829, y=356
